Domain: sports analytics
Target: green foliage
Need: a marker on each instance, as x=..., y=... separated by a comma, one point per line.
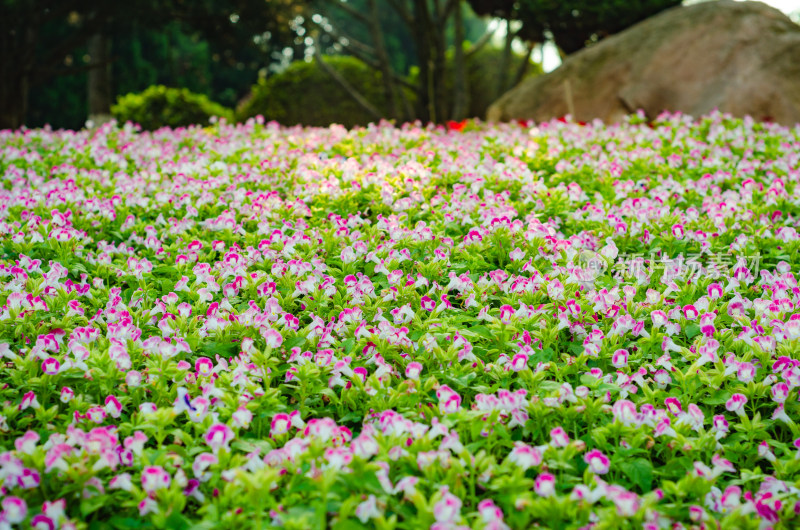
x=483, y=70
x=573, y=24
x=305, y=94
x=160, y=106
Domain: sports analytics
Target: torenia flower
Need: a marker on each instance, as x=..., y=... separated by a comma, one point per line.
x=525, y=456
x=204, y=366
x=218, y=436
x=273, y=338
x=625, y=412
x=449, y=400
x=598, y=462
x=545, y=485
x=427, y=303
x=14, y=510
x=29, y=401
x=51, y=366
x=620, y=359
x=66, y=394
x=736, y=404
x=368, y=509
x=448, y=509
x=491, y=513
x=155, y=478
x=280, y=424
x=715, y=291
x=627, y=503
x=559, y=437
x=27, y=442
x=413, y=370
x=113, y=406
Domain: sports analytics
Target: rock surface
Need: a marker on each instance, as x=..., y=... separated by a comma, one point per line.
x=739, y=57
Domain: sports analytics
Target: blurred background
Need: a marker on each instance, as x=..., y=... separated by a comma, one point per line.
x=314, y=62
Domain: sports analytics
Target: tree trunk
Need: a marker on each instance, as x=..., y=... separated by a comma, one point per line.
x=437, y=28
x=350, y=89
x=422, y=41
x=13, y=102
x=389, y=86
x=423, y=46
x=16, y=63
x=505, y=63
x=523, y=66
x=99, y=83
x=460, y=84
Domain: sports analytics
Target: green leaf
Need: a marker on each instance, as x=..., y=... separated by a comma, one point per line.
x=295, y=341
x=347, y=345
x=177, y=521
x=483, y=331
x=639, y=471
x=692, y=330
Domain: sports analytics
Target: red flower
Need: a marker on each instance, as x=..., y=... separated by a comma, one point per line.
x=456, y=125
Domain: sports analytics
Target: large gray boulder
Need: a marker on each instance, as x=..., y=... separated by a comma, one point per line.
x=739, y=57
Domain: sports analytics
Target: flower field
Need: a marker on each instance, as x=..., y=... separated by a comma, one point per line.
x=567, y=325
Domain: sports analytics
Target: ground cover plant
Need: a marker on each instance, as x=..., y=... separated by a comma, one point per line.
x=567, y=325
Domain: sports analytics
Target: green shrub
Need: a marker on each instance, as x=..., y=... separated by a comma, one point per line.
x=305, y=94
x=160, y=106
x=483, y=71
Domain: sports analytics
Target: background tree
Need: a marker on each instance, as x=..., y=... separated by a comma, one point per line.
x=571, y=24
x=45, y=56
x=412, y=43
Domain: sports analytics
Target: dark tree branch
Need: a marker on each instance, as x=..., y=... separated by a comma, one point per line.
x=350, y=10
x=404, y=13
x=480, y=43
x=522, y=69
x=351, y=91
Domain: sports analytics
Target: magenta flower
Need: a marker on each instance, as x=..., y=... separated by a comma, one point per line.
x=779, y=392
x=27, y=442
x=491, y=513
x=715, y=291
x=113, y=406
x=29, y=401
x=449, y=400
x=598, y=462
x=427, y=303
x=627, y=503
x=519, y=362
x=201, y=463
x=506, y=312
x=204, y=366
x=14, y=510
x=736, y=404
x=625, y=412
x=368, y=510
x=746, y=372
x=218, y=436
x=545, y=485
x=524, y=456
x=413, y=370
x=51, y=366
x=559, y=437
x=280, y=424
x=448, y=509
x=273, y=338
x=620, y=359
x=673, y=405
x=155, y=478
x=43, y=522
